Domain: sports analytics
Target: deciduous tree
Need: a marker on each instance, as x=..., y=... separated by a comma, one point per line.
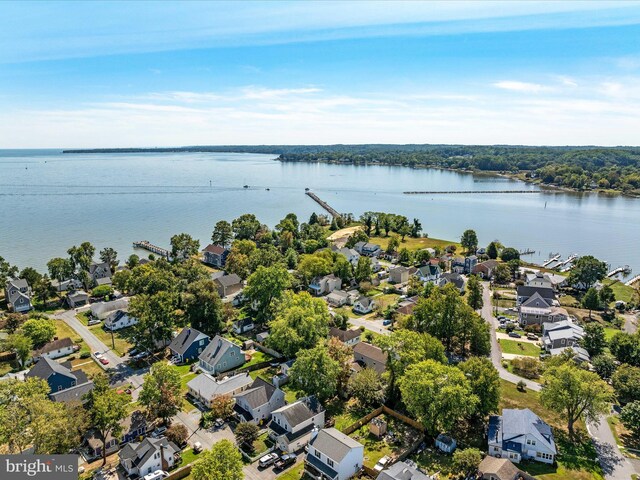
x=575, y=393
x=485, y=383
x=222, y=462
x=469, y=241
x=40, y=330
x=222, y=233
x=474, y=292
x=161, y=392
x=184, y=246
x=594, y=340
x=626, y=383
x=367, y=387
x=202, y=307
x=315, y=373
x=438, y=395
x=586, y=272
x=264, y=286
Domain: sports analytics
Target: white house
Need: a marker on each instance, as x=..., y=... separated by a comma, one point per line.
x=292, y=426
x=56, y=349
x=521, y=434
x=338, y=298
x=349, y=337
x=323, y=285
x=349, y=253
x=256, y=403
x=118, y=320
x=428, y=273
x=333, y=455
x=102, y=310
x=364, y=305
x=368, y=249
x=205, y=388
x=151, y=454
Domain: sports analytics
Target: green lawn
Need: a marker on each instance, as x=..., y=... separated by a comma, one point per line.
x=343, y=413
x=257, y=357
x=121, y=343
x=576, y=459
x=610, y=332
x=84, y=317
x=624, y=438
x=262, y=444
x=620, y=290
x=519, y=348
x=63, y=330
x=433, y=462
x=294, y=473
x=87, y=365
x=188, y=456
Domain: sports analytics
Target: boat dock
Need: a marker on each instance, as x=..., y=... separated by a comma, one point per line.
x=334, y=213
x=632, y=281
x=527, y=252
x=568, y=260
x=551, y=260
x=455, y=192
x=618, y=270
x=145, y=245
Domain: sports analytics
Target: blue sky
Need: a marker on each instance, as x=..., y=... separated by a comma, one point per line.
x=101, y=74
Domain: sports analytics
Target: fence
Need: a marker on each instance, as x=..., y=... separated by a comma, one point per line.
x=180, y=473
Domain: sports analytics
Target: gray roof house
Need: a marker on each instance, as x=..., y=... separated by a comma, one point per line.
x=221, y=355
x=429, y=273
x=18, y=295
x=325, y=284
x=580, y=355
x=561, y=334
x=364, y=305
x=256, y=403
x=77, y=299
x=292, y=425
x=63, y=383
x=538, y=310
x=398, y=274
x=188, y=344
x=149, y=455
x=228, y=285
x=521, y=435
x=102, y=310
x=454, y=278
x=205, y=388
x=99, y=271
x=333, y=455
x=60, y=347
x=493, y=468
x=525, y=292
x=403, y=471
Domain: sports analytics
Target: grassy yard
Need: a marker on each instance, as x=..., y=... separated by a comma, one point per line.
x=294, y=473
x=376, y=448
x=620, y=290
x=121, y=343
x=576, y=458
x=610, y=332
x=624, y=438
x=257, y=357
x=417, y=243
x=84, y=317
x=188, y=456
x=63, y=330
x=87, y=365
x=519, y=348
x=343, y=413
x=432, y=461
x=262, y=444
x=385, y=300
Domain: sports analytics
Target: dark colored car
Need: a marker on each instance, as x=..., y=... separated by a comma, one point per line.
x=515, y=335
x=285, y=461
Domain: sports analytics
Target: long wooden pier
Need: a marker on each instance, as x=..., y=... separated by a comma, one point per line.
x=551, y=260
x=455, y=192
x=145, y=245
x=324, y=205
x=618, y=270
x=633, y=280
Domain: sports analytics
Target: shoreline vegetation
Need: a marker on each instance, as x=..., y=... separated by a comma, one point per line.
x=603, y=170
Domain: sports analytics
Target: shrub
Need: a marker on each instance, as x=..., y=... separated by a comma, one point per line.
x=177, y=433
x=526, y=366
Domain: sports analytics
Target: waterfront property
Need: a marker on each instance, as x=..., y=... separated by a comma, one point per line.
x=17, y=293
x=215, y=255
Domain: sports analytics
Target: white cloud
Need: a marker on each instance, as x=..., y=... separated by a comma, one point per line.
x=587, y=113
x=525, y=87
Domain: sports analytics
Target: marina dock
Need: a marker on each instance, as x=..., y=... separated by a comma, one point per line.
x=145, y=245
x=334, y=213
x=618, y=270
x=632, y=281
x=551, y=260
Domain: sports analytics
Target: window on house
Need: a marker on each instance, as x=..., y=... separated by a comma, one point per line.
x=59, y=387
x=329, y=462
x=318, y=454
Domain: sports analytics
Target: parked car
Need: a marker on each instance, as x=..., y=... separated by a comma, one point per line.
x=267, y=460
x=97, y=354
x=158, y=432
x=386, y=322
x=157, y=475
x=93, y=321
x=382, y=463
x=285, y=461
x=219, y=423
x=104, y=361
x=532, y=336
x=515, y=335
x=140, y=356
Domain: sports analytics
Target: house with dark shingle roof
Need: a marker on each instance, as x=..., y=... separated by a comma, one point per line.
x=454, y=278
x=151, y=454
x=134, y=427
x=370, y=356
x=17, y=293
x=228, y=285
x=349, y=337
x=485, y=269
x=188, y=344
x=429, y=273
x=291, y=426
x=525, y=292
x=256, y=403
x=99, y=271
x=521, y=435
x=221, y=355
x=403, y=471
x=333, y=455
x=215, y=255
x=65, y=385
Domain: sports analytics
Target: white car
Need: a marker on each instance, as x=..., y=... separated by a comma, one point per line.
x=98, y=355
x=157, y=475
x=267, y=460
x=382, y=463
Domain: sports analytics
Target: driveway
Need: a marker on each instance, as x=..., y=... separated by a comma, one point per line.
x=207, y=437
x=252, y=472
x=630, y=323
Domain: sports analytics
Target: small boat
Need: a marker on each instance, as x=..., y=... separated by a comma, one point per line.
x=306, y=189
x=268, y=189
x=246, y=186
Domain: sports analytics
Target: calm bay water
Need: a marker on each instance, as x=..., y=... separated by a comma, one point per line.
x=50, y=201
